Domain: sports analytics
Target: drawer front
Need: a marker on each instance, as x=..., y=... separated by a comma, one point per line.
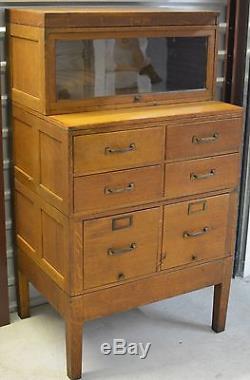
x=203, y=140
x=118, y=150
x=195, y=230
x=120, y=247
x=118, y=189
x=200, y=176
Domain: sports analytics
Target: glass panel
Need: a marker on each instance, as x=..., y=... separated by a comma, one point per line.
x=92, y=68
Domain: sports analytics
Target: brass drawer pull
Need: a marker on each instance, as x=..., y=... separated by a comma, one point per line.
x=205, y=140
x=128, y=188
x=194, y=176
x=130, y=148
x=120, y=251
x=188, y=234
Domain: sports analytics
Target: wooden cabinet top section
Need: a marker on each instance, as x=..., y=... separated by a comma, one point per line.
x=115, y=16
x=130, y=116
x=84, y=59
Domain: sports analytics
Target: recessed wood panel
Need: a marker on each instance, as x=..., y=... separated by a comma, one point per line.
x=42, y=234
x=51, y=164
x=24, y=150
x=26, y=66
x=26, y=219
x=53, y=246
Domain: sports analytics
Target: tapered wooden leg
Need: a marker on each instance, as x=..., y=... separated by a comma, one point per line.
x=221, y=296
x=74, y=349
x=23, y=300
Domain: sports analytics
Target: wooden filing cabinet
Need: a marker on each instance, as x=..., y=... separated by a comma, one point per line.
x=126, y=188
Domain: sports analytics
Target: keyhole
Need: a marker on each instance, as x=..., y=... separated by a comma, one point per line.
x=137, y=98
x=121, y=276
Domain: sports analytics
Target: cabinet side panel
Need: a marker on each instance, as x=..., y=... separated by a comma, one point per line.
x=41, y=157
x=26, y=66
x=42, y=234
x=27, y=218
x=52, y=242
x=24, y=151
x=51, y=165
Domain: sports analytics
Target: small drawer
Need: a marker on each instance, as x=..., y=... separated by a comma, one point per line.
x=118, y=189
x=204, y=140
x=120, y=247
x=195, y=230
x=200, y=176
x=118, y=150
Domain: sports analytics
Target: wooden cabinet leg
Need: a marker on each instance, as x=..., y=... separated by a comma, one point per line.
x=221, y=296
x=23, y=296
x=74, y=349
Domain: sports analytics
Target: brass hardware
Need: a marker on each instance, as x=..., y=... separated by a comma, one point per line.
x=137, y=98
x=120, y=251
x=122, y=222
x=130, y=148
x=121, y=276
x=194, y=176
x=128, y=188
x=205, y=140
x=193, y=234
x=196, y=207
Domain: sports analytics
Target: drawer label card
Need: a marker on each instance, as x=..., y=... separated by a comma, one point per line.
x=196, y=207
x=122, y=222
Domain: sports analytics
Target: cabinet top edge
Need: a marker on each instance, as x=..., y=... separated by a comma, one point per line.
x=85, y=120
x=115, y=16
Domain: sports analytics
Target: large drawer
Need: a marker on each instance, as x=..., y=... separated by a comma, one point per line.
x=118, y=189
x=195, y=230
x=118, y=150
x=120, y=247
x=201, y=176
x=204, y=139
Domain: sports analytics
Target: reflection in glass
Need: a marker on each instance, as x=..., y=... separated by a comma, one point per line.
x=92, y=68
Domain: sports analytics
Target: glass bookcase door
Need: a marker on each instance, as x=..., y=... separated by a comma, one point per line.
x=93, y=68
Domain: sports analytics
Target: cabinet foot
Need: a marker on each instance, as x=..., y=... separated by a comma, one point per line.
x=221, y=297
x=74, y=349
x=23, y=296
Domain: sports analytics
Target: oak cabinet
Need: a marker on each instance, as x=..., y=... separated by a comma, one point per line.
x=126, y=169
